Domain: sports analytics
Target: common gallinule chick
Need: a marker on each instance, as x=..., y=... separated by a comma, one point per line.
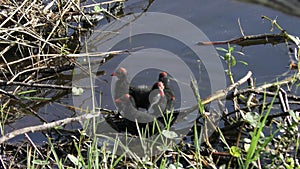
x=145, y=97
x=122, y=84
x=132, y=115
x=129, y=112
x=157, y=99
x=168, y=90
x=141, y=94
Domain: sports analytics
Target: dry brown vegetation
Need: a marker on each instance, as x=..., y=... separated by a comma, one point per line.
x=39, y=40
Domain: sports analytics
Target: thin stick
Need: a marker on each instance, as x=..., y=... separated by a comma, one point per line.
x=102, y=3
x=25, y=71
x=240, y=26
x=32, y=143
x=8, y=94
x=50, y=86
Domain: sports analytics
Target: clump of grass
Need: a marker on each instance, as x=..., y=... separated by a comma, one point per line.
x=254, y=150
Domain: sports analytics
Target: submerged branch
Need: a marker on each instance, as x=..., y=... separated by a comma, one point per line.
x=251, y=40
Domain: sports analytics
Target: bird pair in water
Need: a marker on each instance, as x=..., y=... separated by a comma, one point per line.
x=157, y=100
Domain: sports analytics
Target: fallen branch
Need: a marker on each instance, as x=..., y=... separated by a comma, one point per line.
x=260, y=38
x=223, y=93
x=47, y=126
x=251, y=40
x=288, y=80
x=262, y=92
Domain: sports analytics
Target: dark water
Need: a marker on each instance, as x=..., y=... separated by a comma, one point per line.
x=217, y=20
